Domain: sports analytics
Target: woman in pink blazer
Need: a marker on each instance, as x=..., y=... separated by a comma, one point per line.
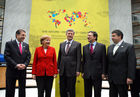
x=44, y=68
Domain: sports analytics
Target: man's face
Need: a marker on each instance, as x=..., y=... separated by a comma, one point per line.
x=116, y=38
x=20, y=37
x=70, y=35
x=91, y=38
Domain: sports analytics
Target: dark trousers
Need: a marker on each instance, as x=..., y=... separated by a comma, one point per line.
x=10, y=86
x=88, y=83
x=115, y=89
x=67, y=86
x=44, y=83
x=135, y=87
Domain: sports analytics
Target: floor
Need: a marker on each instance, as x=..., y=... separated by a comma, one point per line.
x=32, y=92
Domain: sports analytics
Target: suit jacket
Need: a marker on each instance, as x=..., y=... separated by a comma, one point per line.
x=44, y=63
x=122, y=65
x=13, y=57
x=69, y=63
x=94, y=64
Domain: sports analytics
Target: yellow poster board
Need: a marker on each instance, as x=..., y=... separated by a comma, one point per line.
x=54, y=17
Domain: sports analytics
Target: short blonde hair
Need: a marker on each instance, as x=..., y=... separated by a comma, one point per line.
x=44, y=37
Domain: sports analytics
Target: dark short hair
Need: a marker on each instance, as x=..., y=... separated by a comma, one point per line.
x=94, y=34
x=19, y=31
x=71, y=30
x=118, y=32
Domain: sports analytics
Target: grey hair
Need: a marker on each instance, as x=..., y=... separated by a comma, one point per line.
x=71, y=30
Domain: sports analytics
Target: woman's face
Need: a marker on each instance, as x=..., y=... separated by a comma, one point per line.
x=46, y=42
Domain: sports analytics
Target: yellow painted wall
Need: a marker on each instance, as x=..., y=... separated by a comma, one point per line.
x=84, y=16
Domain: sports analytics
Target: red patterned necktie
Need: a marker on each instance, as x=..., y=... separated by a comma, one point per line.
x=20, y=48
x=91, y=48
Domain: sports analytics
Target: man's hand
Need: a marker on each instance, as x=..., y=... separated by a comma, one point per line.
x=55, y=75
x=129, y=81
x=58, y=70
x=21, y=66
x=34, y=77
x=77, y=74
x=103, y=77
x=82, y=74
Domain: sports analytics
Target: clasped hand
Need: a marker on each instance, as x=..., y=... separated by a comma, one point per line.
x=21, y=66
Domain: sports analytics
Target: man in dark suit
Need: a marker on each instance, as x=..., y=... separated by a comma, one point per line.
x=121, y=65
x=94, y=63
x=17, y=57
x=69, y=60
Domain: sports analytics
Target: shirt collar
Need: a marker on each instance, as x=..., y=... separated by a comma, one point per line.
x=69, y=41
x=119, y=43
x=18, y=42
x=94, y=43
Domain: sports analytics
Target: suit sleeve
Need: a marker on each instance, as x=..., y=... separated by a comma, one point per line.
x=104, y=60
x=35, y=62
x=83, y=62
x=78, y=57
x=7, y=56
x=55, y=62
x=107, y=62
x=59, y=57
x=28, y=57
x=131, y=62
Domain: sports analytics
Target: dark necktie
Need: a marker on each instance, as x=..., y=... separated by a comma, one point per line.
x=67, y=48
x=91, y=48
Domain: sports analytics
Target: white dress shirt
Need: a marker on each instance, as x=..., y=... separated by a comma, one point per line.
x=67, y=44
x=19, y=42
x=45, y=50
x=94, y=44
x=116, y=47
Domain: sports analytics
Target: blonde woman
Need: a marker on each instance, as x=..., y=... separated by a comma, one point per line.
x=44, y=68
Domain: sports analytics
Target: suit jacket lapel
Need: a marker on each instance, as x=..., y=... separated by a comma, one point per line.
x=23, y=48
x=119, y=48
x=96, y=46
x=63, y=47
x=16, y=46
x=71, y=46
x=112, y=47
x=42, y=50
x=48, y=50
x=88, y=48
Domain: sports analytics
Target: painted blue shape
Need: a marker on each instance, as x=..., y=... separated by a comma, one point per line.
x=53, y=15
x=53, y=20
